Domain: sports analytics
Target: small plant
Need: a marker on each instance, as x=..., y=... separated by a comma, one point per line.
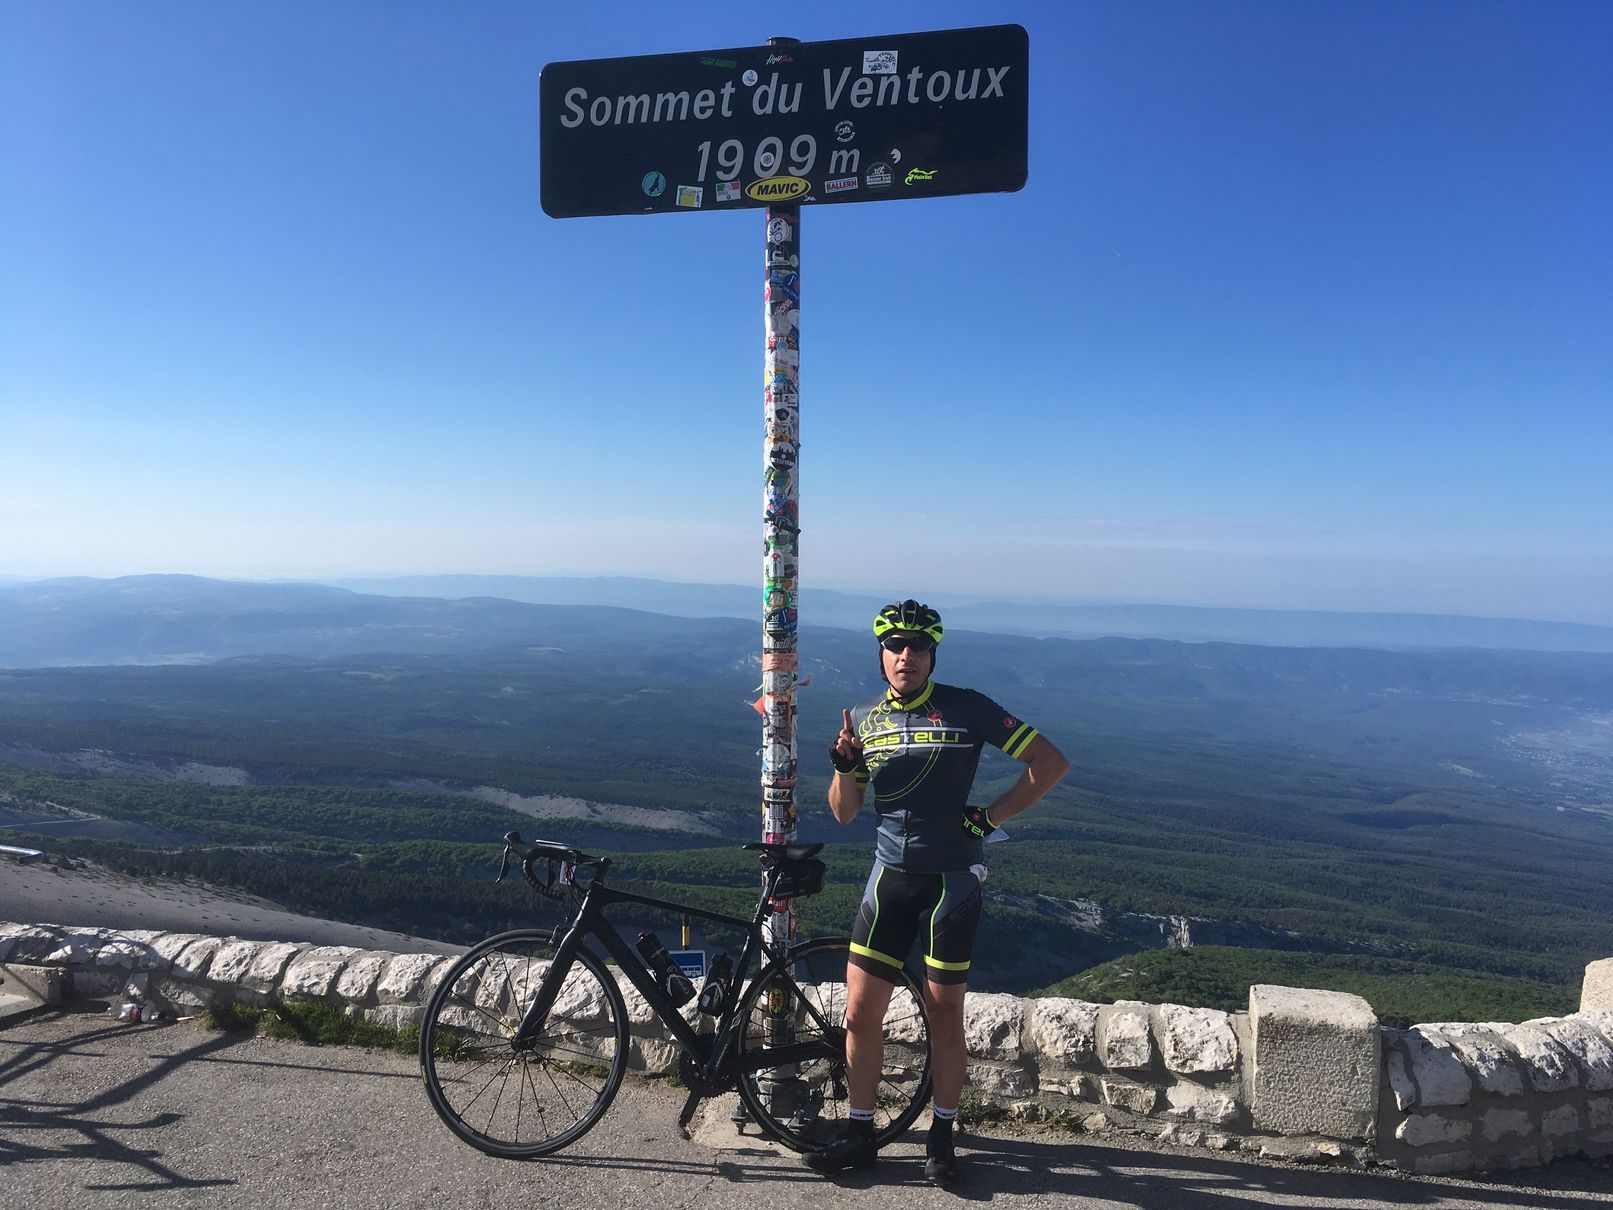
x=232, y=1018
x=972, y=1110
x=313, y=1022
x=322, y=1024
x=1060, y=1119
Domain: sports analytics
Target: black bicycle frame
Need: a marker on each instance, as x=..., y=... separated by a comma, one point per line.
x=591, y=922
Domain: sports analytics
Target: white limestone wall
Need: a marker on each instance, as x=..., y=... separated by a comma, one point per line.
x=1457, y=1096
x=1304, y=1074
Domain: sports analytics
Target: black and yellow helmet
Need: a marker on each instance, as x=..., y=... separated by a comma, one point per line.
x=908, y=615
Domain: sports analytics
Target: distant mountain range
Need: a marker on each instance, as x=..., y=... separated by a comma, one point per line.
x=190, y=619
x=187, y=619
x=1188, y=624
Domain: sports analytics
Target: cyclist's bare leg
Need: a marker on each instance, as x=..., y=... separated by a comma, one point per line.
x=867, y=998
x=947, y=1056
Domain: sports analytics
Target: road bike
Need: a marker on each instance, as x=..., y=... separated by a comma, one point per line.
x=526, y=1038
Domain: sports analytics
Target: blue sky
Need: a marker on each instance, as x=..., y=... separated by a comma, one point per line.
x=1304, y=306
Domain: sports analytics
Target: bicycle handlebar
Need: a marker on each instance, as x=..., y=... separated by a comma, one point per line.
x=554, y=853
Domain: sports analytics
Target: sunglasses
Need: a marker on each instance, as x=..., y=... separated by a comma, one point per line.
x=897, y=645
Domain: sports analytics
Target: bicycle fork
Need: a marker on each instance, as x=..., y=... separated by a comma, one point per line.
x=532, y=1021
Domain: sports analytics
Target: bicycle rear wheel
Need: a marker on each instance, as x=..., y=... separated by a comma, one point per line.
x=803, y=1000
x=522, y=1104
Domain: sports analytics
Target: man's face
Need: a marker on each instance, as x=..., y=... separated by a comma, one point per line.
x=907, y=658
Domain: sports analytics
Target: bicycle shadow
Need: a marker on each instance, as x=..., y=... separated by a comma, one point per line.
x=29, y=1129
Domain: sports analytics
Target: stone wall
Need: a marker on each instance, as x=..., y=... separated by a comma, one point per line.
x=1458, y=1096
x=1303, y=1074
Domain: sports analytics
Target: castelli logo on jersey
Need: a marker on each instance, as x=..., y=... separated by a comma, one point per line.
x=777, y=189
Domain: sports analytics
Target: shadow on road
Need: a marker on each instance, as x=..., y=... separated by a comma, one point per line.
x=93, y=1121
x=1172, y=1180
x=1148, y=1180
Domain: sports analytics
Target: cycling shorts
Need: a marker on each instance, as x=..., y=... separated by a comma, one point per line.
x=943, y=909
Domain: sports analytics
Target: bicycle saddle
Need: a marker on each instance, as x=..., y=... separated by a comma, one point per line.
x=789, y=851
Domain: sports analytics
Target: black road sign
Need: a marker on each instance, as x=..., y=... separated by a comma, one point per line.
x=855, y=120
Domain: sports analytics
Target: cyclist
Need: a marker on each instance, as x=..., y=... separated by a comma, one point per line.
x=919, y=745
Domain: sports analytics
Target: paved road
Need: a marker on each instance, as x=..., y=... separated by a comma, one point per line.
x=94, y=1113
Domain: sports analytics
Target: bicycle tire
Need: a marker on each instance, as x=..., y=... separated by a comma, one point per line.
x=521, y=1105
x=806, y=1109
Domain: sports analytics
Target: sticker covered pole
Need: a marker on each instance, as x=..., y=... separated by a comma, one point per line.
x=780, y=1087
x=781, y=535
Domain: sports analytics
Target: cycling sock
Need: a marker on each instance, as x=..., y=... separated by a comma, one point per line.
x=862, y=1115
x=943, y=1115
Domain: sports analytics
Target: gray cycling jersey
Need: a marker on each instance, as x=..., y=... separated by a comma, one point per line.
x=921, y=757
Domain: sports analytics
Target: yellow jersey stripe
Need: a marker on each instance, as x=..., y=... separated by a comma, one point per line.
x=892, y=699
x=1020, y=740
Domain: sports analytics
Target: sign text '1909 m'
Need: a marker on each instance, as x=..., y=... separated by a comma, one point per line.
x=765, y=161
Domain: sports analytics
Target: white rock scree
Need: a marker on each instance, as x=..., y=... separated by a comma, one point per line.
x=1303, y=1074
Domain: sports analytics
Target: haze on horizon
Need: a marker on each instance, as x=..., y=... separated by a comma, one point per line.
x=1303, y=307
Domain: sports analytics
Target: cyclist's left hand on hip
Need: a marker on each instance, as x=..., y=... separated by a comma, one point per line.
x=977, y=823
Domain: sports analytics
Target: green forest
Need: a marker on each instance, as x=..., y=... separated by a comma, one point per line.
x=1335, y=828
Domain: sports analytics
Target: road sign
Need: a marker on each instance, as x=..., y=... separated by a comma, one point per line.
x=805, y=123
x=691, y=963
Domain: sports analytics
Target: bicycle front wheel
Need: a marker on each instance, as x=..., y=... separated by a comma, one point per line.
x=520, y=1104
x=802, y=1000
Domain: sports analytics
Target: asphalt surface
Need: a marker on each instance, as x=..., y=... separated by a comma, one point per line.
x=96, y=1113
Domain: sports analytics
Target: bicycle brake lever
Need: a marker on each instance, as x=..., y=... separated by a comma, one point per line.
x=504, y=865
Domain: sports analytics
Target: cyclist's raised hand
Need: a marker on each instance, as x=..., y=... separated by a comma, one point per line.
x=846, y=753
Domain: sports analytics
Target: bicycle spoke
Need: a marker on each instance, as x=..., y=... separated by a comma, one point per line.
x=470, y=1006
x=492, y=1115
x=553, y=1083
x=518, y=1102
x=537, y=1101
x=470, y=1103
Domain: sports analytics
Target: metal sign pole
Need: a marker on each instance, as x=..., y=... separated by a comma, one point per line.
x=781, y=533
x=781, y=536
x=781, y=540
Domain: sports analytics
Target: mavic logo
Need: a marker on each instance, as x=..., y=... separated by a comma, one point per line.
x=777, y=189
x=921, y=174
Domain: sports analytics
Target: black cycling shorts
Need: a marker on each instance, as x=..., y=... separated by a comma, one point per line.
x=942, y=909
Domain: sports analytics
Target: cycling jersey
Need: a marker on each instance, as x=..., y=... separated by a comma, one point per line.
x=920, y=757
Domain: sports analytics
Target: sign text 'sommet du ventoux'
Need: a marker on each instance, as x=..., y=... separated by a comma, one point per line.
x=855, y=120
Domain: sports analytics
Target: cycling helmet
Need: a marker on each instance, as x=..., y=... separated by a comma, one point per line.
x=908, y=615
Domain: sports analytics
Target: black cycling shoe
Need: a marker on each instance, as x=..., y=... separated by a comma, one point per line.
x=940, y=1162
x=942, y=1170
x=852, y=1149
